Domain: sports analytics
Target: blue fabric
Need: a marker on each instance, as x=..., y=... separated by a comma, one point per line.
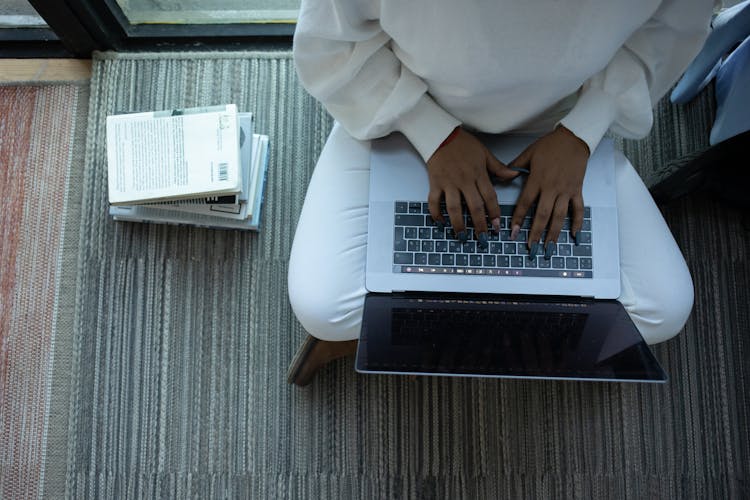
x=733, y=95
x=729, y=28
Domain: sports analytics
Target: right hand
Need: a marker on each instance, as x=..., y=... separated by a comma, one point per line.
x=461, y=169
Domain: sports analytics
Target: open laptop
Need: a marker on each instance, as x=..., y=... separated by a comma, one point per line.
x=440, y=307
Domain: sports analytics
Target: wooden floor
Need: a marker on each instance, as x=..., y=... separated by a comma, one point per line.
x=44, y=70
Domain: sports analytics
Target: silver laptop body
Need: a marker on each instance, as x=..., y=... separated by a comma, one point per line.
x=399, y=174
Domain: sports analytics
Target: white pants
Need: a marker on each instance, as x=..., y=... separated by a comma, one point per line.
x=327, y=262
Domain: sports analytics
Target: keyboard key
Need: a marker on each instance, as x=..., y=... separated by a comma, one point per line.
x=438, y=234
x=544, y=263
x=402, y=207
x=448, y=259
x=409, y=232
x=441, y=246
x=426, y=208
x=415, y=207
x=425, y=233
x=454, y=246
x=586, y=263
x=583, y=237
x=564, y=250
x=399, y=243
x=509, y=248
x=402, y=258
x=470, y=247
x=531, y=263
x=409, y=220
x=496, y=248
x=516, y=261
x=571, y=262
x=488, y=261
x=412, y=245
x=503, y=261
x=462, y=259
x=475, y=260
x=428, y=246
x=582, y=250
x=558, y=262
x=420, y=259
x=586, y=225
x=433, y=259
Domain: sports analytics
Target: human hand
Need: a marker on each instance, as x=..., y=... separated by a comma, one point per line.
x=461, y=169
x=557, y=163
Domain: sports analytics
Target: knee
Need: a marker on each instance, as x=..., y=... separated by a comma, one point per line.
x=323, y=311
x=664, y=314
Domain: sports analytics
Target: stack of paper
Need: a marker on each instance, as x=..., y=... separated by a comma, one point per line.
x=197, y=166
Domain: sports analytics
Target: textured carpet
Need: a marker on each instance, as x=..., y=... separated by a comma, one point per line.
x=42, y=134
x=182, y=337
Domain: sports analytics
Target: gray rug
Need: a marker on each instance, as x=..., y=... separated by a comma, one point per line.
x=183, y=336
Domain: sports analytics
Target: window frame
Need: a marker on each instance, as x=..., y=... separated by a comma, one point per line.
x=79, y=27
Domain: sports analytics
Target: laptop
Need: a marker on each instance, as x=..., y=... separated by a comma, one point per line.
x=440, y=307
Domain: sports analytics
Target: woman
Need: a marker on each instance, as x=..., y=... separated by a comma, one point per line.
x=438, y=71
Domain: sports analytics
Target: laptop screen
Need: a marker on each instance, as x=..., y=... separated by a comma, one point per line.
x=487, y=336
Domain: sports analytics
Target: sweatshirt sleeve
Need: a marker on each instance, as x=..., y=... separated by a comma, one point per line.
x=344, y=60
x=621, y=97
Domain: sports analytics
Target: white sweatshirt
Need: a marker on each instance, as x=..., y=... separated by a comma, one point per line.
x=422, y=67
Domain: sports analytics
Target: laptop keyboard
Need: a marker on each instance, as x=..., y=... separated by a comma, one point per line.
x=419, y=246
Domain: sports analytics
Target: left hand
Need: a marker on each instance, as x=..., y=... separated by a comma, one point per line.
x=557, y=162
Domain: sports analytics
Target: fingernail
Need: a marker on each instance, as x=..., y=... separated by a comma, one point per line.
x=520, y=170
x=535, y=249
x=514, y=232
x=549, y=250
x=496, y=224
x=482, y=240
x=576, y=236
x=462, y=237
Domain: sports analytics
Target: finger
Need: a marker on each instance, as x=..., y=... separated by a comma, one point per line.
x=525, y=200
x=453, y=206
x=524, y=159
x=499, y=170
x=475, y=204
x=555, y=225
x=544, y=208
x=433, y=201
x=577, y=216
x=487, y=191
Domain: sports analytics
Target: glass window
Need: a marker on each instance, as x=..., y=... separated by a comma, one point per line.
x=19, y=14
x=209, y=11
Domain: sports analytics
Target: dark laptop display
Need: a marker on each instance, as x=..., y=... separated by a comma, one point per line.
x=487, y=336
